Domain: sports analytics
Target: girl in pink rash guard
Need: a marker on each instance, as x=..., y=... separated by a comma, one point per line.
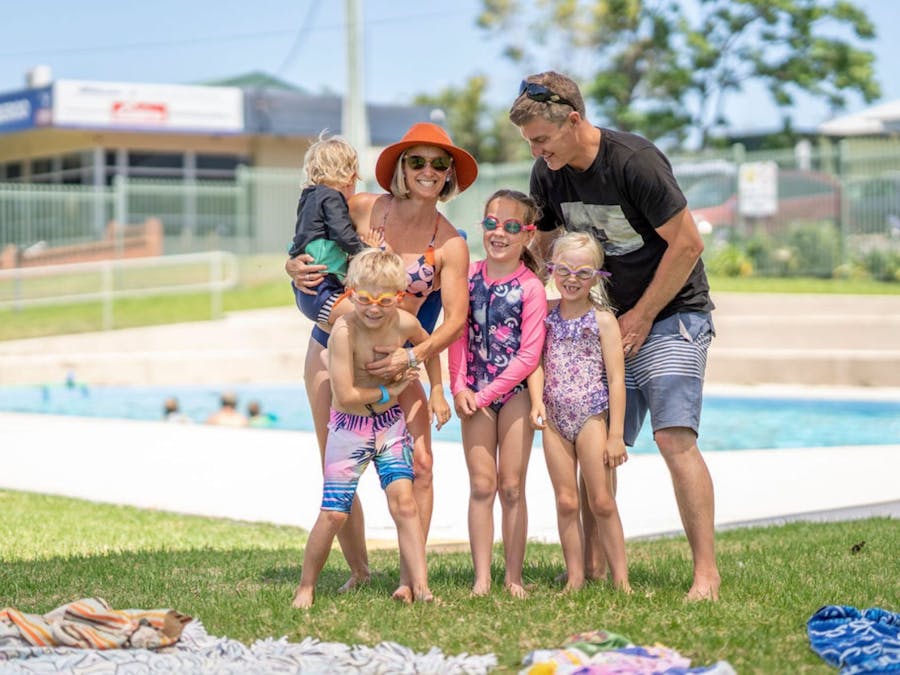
x=489, y=364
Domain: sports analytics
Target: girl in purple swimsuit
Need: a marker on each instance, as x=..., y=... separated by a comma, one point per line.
x=578, y=400
x=489, y=363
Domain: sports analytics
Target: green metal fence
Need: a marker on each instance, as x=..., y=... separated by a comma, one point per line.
x=855, y=214
x=53, y=214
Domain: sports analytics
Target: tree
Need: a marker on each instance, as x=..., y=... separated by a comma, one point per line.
x=483, y=131
x=664, y=68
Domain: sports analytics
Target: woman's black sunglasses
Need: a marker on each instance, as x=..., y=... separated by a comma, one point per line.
x=541, y=94
x=417, y=162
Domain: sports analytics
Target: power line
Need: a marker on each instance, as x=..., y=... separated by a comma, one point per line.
x=229, y=37
x=305, y=25
x=143, y=45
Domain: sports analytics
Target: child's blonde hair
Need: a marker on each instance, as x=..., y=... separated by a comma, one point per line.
x=532, y=215
x=330, y=160
x=374, y=268
x=571, y=241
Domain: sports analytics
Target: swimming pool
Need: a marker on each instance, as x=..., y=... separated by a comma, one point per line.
x=730, y=422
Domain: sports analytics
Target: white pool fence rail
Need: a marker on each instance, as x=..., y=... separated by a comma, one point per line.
x=110, y=280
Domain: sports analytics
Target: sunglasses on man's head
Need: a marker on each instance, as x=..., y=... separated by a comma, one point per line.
x=510, y=225
x=582, y=272
x=417, y=162
x=541, y=94
x=382, y=300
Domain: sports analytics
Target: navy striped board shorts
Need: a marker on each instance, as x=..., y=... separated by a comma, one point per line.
x=666, y=376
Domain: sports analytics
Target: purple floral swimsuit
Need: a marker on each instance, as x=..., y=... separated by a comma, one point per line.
x=574, y=374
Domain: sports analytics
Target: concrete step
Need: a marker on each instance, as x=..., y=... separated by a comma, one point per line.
x=806, y=339
x=806, y=331
x=831, y=367
x=761, y=339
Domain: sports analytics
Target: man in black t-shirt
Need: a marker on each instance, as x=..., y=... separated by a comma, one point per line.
x=620, y=188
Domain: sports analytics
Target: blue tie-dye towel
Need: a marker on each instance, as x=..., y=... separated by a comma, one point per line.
x=856, y=641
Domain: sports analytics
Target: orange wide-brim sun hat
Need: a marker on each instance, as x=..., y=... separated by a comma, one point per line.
x=426, y=133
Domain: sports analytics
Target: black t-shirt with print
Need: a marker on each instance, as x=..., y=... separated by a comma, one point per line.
x=621, y=199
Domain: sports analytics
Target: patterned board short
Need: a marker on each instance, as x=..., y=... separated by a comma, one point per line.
x=356, y=440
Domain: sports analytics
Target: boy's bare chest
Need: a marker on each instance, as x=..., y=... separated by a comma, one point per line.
x=369, y=346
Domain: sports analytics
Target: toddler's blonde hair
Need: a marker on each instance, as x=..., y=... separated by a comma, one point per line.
x=374, y=268
x=330, y=160
x=572, y=241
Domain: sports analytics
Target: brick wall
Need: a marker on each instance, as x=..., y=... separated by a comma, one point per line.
x=136, y=241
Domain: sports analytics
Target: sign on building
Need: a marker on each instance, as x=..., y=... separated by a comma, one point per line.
x=758, y=189
x=160, y=107
x=25, y=109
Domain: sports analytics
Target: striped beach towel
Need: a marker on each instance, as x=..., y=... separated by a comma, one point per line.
x=91, y=623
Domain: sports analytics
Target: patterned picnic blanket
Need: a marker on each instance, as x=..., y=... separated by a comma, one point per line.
x=601, y=652
x=855, y=641
x=32, y=643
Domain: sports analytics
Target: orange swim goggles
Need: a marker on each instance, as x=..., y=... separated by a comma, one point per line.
x=382, y=300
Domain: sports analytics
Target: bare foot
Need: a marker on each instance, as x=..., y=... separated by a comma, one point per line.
x=703, y=592
x=403, y=594
x=570, y=587
x=354, y=582
x=704, y=589
x=517, y=590
x=481, y=588
x=424, y=596
x=623, y=586
x=563, y=577
x=303, y=598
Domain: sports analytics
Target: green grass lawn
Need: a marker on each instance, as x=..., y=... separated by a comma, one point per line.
x=239, y=578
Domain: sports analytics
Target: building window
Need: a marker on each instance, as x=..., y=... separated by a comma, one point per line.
x=218, y=167
x=155, y=165
x=11, y=173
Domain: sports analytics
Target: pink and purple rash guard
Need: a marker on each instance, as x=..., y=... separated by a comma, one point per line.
x=504, y=335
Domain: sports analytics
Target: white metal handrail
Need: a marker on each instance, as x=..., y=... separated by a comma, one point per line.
x=221, y=269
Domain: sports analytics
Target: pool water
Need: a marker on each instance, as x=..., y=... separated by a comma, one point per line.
x=728, y=423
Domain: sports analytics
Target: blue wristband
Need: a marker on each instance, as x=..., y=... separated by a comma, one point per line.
x=385, y=396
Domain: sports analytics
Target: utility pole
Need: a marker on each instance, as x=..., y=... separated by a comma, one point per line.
x=354, y=125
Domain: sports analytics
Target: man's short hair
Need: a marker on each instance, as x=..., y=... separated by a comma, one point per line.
x=525, y=108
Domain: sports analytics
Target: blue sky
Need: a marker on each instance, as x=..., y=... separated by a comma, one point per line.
x=409, y=47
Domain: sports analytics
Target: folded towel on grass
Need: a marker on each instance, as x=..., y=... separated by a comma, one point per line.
x=856, y=641
x=92, y=624
x=195, y=651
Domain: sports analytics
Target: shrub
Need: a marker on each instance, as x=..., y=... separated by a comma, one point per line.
x=815, y=248
x=883, y=265
x=729, y=261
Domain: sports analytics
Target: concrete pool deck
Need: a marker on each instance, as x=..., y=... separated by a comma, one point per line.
x=274, y=476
